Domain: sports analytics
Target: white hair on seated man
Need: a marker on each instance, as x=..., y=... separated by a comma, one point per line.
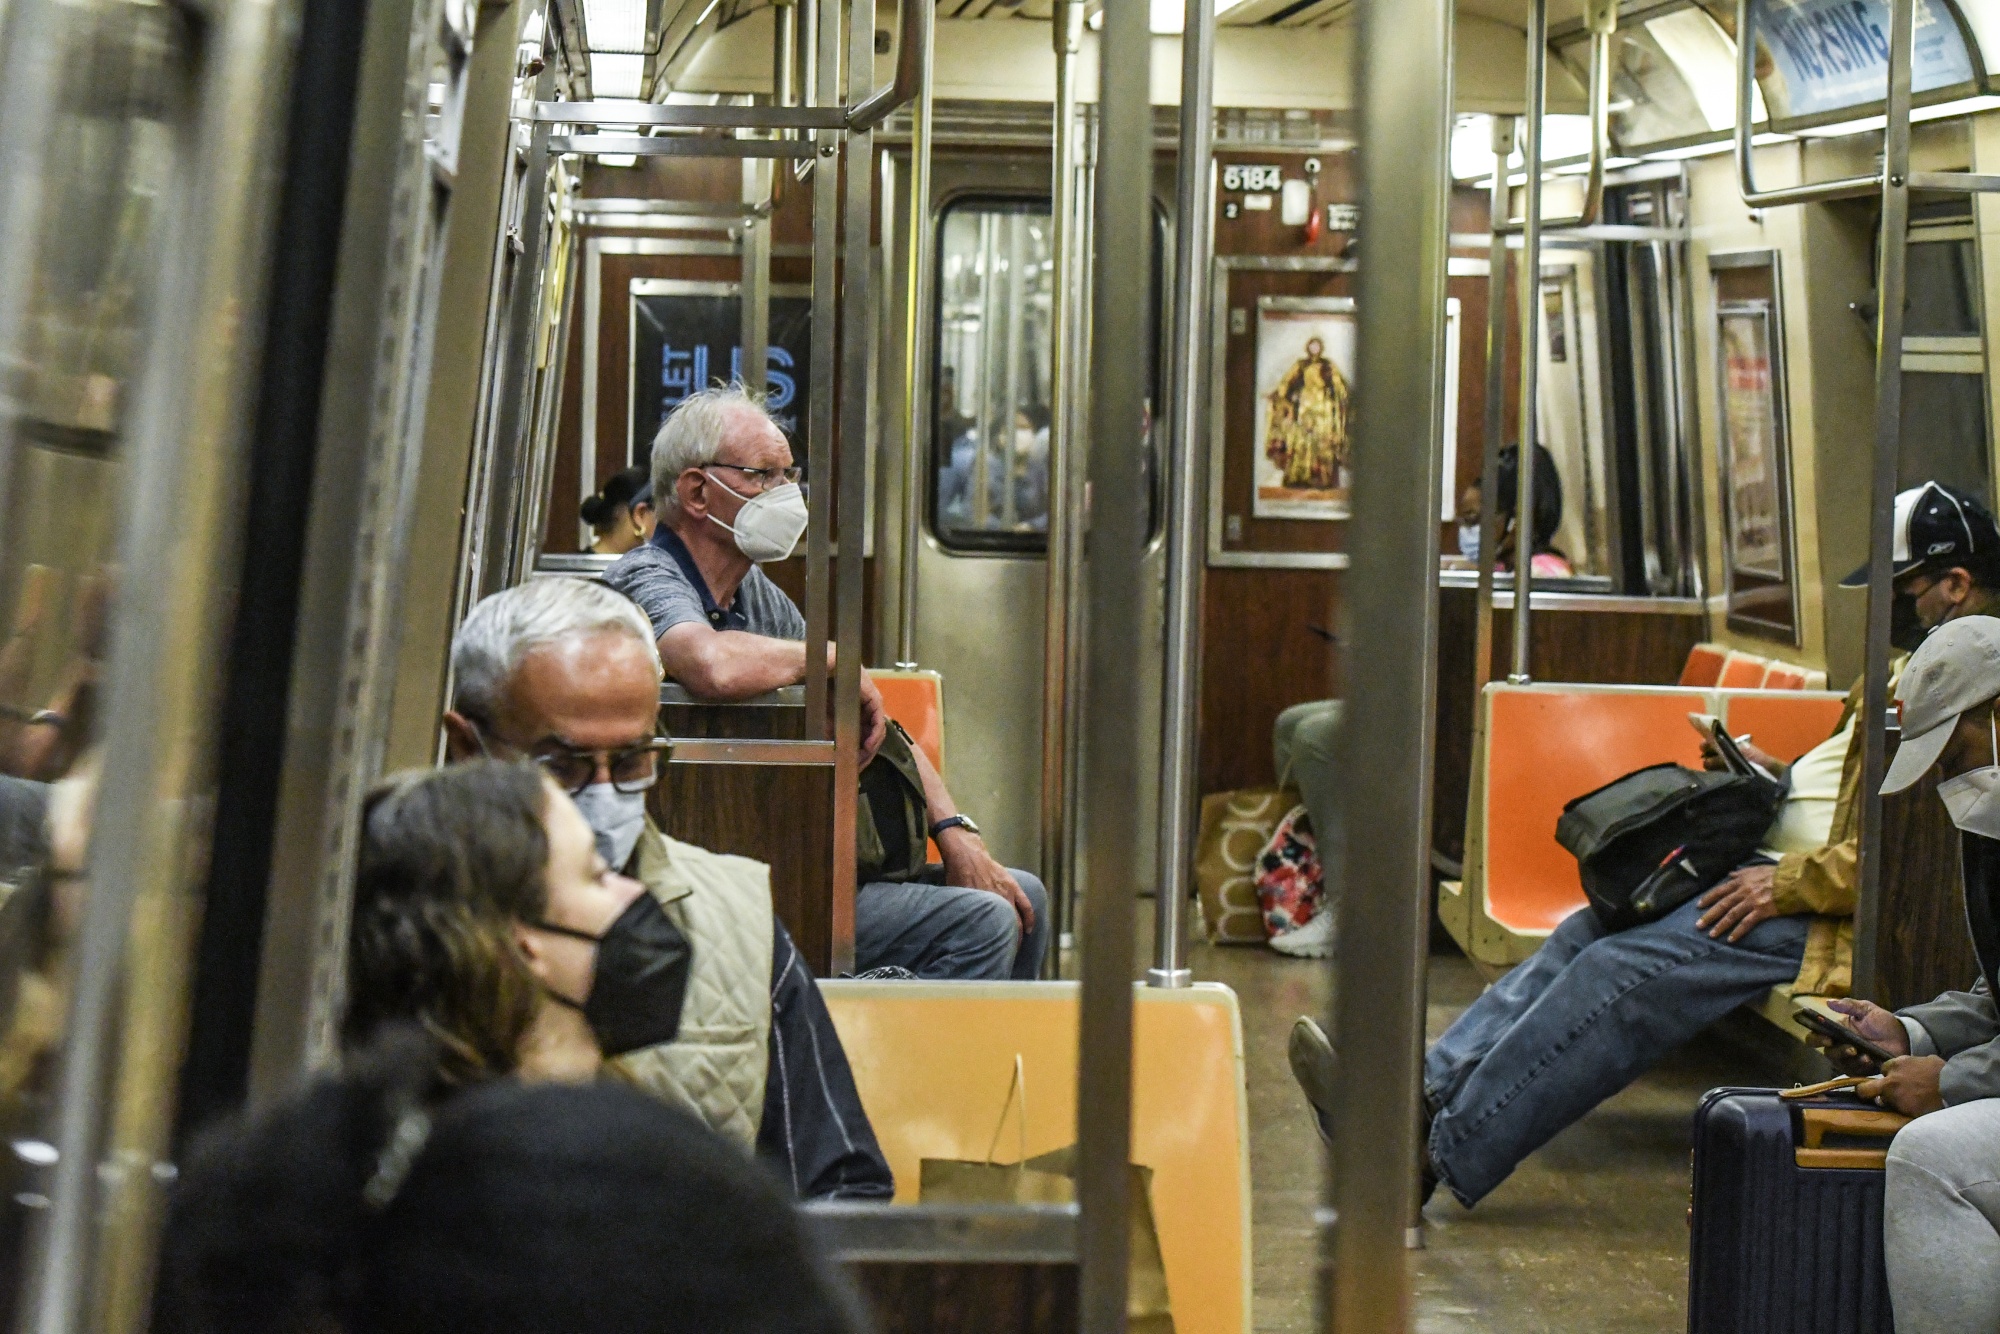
x=693, y=432
x=502, y=629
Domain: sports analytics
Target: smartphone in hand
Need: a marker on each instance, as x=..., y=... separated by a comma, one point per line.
x=1842, y=1035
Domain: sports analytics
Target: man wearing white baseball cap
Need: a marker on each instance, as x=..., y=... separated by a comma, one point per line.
x=1941, y=1219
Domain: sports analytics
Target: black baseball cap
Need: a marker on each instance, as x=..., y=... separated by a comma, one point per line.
x=1939, y=526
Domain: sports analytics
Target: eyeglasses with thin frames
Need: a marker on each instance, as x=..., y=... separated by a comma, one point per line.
x=630, y=768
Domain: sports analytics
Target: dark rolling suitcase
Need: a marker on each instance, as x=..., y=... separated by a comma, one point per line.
x=1786, y=1224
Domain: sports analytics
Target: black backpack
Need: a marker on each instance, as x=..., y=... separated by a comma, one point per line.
x=1650, y=841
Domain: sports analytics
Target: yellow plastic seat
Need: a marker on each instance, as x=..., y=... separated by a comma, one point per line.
x=933, y=1060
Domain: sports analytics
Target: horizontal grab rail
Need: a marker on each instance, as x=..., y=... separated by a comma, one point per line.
x=680, y=145
x=713, y=750
x=1603, y=23
x=913, y=45
x=623, y=112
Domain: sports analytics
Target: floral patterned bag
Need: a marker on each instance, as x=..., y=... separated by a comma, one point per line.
x=1289, y=887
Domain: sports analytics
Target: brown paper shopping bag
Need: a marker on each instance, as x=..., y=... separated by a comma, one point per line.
x=1050, y=1178
x=1235, y=827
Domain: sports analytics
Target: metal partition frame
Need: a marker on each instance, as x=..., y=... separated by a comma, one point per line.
x=1529, y=284
x=1403, y=81
x=1895, y=180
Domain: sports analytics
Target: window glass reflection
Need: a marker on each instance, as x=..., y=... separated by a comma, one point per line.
x=991, y=426
x=84, y=256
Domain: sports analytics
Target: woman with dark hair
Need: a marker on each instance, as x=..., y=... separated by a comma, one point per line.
x=484, y=914
x=366, y=1206
x=621, y=514
x=1546, y=561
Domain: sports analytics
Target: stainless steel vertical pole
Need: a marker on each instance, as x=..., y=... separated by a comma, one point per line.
x=857, y=336
x=1115, y=592
x=1530, y=288
x=754, y=295
x=1892, y=284
x=823, y=21
x=1495, y=417
x=916, y=362
x=1181, y=701
x=1066, y=27
x=1403, y=82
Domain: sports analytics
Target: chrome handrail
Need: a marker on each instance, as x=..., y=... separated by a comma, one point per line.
x=1602, y=20
x=1846, y=187
x=913, y=67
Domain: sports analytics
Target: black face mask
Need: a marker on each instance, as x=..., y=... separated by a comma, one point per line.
x=1906, y=630
x=641, y=978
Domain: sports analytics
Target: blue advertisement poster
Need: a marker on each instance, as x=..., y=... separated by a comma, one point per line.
x=686, y=341
x=1829, y=55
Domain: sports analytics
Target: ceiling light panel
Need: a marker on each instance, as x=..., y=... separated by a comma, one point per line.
x=614, y=76
x=615, y=25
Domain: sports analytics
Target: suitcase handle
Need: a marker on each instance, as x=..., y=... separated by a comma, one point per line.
x=1816, y=1123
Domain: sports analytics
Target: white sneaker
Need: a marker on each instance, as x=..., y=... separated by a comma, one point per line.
x=1314, y=940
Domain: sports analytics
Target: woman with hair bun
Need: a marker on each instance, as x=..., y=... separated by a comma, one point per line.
x=621, y=514
x=366, y=1206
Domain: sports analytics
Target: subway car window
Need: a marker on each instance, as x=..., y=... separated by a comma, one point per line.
x=72, y=348
x=1944, y=416
x=990, y=469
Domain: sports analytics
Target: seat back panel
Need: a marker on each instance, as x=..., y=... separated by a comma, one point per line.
x=1786, y=723
x=933, y=1060
x=1743, y=671
x=1547, y=745
x=1704, y=665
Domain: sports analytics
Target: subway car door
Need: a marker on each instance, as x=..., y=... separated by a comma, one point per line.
x=985, y=488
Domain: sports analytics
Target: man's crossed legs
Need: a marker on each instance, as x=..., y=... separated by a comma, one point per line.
x=1588, y=1013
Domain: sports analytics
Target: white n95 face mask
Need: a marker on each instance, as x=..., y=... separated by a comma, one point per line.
x=770, y=523
x=1973, y=798
x=616, y=819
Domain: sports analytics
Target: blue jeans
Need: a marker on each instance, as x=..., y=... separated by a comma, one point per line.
x=941, y=931
x=1586, y=1015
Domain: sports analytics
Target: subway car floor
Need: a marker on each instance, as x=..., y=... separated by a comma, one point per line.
x=1590, y=1234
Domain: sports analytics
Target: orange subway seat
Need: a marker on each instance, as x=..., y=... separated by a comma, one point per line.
x=1547, y=746
x=1704, y=665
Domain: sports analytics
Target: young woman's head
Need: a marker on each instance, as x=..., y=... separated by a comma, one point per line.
x=621, y=516
x=367, y=1205
x=484, y=913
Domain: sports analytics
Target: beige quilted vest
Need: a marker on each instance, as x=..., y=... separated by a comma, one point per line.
x=715, y=1068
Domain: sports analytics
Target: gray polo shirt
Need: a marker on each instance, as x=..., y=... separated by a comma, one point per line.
x=663, y=579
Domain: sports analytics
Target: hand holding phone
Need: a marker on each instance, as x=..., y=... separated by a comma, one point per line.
x=1842, y=1036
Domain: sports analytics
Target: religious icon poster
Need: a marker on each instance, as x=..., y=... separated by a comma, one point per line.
x=1305, y=406
x=1304, y=434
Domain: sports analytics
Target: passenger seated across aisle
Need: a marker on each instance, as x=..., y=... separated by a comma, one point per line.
x=564, y=672
x=729, y=501
x=1592, y=1010
x=1941, y=1215
x=369, y=1204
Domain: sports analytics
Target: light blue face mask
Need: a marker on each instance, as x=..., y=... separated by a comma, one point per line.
x=616, y=818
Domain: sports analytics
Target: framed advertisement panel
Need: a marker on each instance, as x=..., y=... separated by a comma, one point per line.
x=686, y=335
x=1760, y=568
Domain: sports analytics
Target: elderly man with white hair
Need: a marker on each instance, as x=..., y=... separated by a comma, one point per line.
x=728, y=498
x=563, y=672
